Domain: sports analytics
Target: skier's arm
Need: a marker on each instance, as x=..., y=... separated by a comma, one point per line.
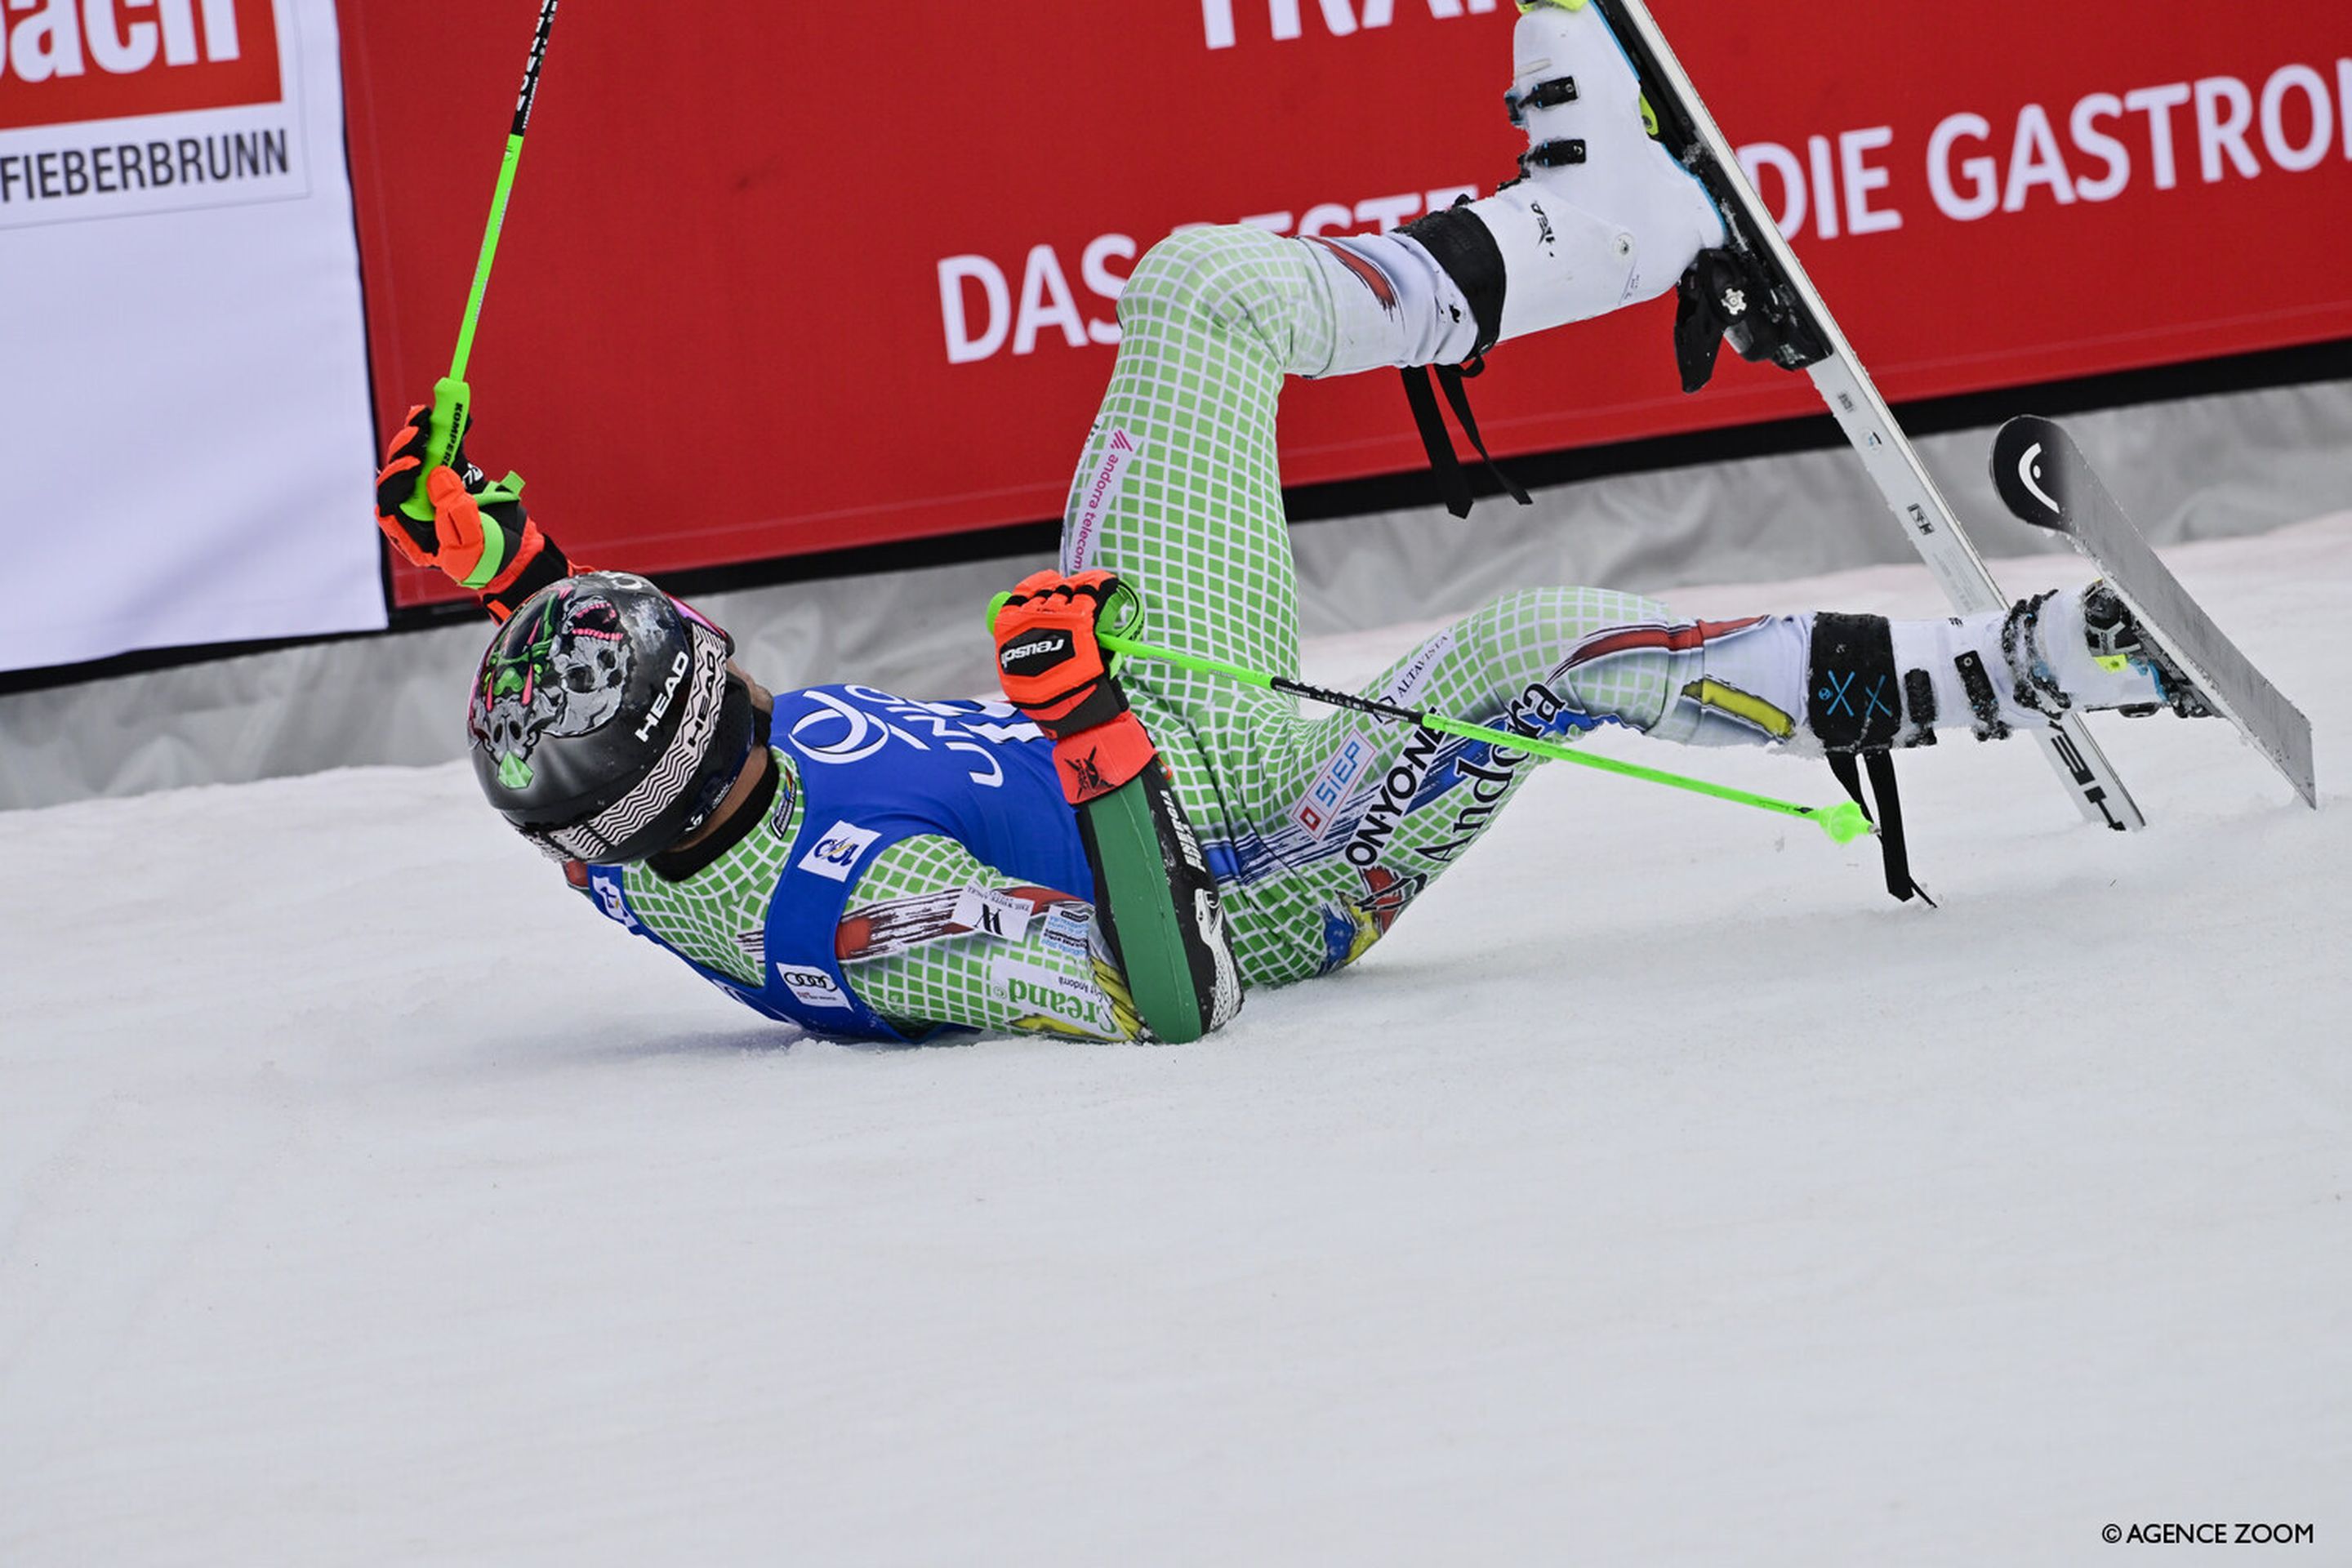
x=1153, y=893
x=933, y=936
x=479, y=535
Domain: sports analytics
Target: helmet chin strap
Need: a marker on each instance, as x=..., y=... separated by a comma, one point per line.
x=710, y=820
x=724, y=781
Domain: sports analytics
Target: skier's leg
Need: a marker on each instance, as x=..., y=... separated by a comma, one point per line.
x=1179, y=491
x=1370, y=816
x=1808, y=684
x=1365, y=815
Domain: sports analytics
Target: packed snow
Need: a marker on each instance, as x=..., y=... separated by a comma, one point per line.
x=1660, y=1192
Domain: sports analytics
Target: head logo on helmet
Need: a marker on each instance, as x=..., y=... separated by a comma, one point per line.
x=567, y=678
x=677, y=668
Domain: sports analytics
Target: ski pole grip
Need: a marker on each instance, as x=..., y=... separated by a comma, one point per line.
x=452, y=402
x=1121, y=615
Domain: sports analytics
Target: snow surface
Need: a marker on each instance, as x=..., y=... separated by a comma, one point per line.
x=1659, y=1193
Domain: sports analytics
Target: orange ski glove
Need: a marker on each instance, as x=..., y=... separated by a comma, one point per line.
x=479, y=535
x=1053, y=670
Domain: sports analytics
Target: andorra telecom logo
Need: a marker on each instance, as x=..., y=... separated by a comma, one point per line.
x=116, y=107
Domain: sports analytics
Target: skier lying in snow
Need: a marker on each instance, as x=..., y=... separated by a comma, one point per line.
x=1119, y=856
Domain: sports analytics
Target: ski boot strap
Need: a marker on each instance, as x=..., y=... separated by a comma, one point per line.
x=1559, y=154
x=1549, y=94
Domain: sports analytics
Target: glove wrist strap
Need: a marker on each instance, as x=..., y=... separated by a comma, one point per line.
x=1094, y=761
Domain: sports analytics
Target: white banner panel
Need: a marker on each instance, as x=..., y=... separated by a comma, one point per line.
x=185, y=435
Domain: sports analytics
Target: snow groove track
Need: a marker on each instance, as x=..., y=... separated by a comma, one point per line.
x=1658, y=1194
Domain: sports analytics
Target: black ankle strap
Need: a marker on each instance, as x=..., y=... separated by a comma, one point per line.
x=1458, y=396
x=1452, y=487
x=1453, y=482
x=1461, y=243
x=1888, y=816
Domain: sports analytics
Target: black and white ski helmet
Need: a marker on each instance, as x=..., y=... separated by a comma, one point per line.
x=606, y=726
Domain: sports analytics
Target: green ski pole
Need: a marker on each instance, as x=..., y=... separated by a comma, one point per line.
x=1844, y=822
x=451, y=397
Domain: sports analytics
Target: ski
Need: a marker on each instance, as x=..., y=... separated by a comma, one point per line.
x=1789, y=325
x=2044, y=479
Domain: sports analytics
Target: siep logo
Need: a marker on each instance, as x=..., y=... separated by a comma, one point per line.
x=1341, y=18
x=1329, y=791
x=66, y=61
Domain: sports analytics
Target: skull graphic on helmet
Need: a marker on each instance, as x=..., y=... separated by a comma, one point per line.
x=569, y=678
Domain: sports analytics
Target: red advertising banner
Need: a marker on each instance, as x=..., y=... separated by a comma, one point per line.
x=787, y=278
x=109, y=59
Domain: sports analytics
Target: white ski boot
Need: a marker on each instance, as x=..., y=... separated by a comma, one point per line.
x=1997, y=671
x=1601, y=216
x=2085, y=650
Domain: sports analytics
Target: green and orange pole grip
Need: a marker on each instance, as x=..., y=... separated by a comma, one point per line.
x=452, y=398
x=1844, y=823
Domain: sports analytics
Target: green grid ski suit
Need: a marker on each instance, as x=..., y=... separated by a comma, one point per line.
x=1321, y=830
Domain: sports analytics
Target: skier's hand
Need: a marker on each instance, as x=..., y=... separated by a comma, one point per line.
x=480, y=534
x=1047, y=656
x=451, y=534
x=1053, y=670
